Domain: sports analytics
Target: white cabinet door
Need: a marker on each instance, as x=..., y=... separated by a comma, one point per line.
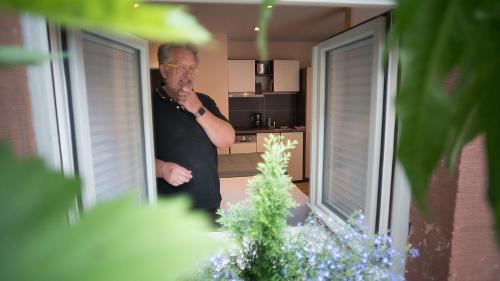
x=295, y=166
x=261, y=141
x=241, y=75
x=286, y=75
x=223, y=150
x=243, y=147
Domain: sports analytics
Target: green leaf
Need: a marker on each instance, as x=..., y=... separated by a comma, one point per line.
x=491, y=116
x=150, y=21
x=117, y=240
x=259, y=222
x=487, y=89
x=436, y=37
x=12, y=55
x=426, y=59
x=265, y=16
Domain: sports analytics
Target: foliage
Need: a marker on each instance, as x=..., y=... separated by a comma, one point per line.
x=265, y=250
x=258, y=224
x=316, y=253
x=117, y=240
x=150, y=21
x=437, y=38
x=11, y=55
x=265, y=16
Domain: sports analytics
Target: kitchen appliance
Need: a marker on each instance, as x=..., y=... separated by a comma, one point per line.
x=256, y=120
x=246, y=138
x=271, y=124
x=260, y=68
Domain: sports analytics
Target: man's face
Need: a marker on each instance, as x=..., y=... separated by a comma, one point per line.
x=180, y=71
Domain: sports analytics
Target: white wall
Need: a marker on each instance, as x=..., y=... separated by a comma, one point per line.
x=301, y=51
x=212, y=76
x=360, y=15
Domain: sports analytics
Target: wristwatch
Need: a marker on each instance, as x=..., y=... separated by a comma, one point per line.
x=200, y=112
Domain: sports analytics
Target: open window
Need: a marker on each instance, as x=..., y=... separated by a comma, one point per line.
x=111, y=116
x=354, y=125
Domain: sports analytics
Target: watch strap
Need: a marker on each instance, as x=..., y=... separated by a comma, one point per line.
x=200, y=112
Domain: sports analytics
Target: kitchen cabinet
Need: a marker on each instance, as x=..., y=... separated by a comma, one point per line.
x=286, y=75
x=261, y=140
x=243, y=147
x=295, y=166
x=241, y=76
x=222, y=151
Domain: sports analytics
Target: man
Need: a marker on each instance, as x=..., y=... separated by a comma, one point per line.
x=188, y=130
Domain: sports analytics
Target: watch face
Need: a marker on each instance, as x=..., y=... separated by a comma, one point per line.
x=200, y=112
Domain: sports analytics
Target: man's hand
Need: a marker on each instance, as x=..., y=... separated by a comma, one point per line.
x=188, y=99
x=172, y=173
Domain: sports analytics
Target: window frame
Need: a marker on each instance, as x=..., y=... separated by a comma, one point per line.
x=378, y=197
x=79, y=104
x=52, y=95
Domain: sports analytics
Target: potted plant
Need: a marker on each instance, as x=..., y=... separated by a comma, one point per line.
x=266, y=249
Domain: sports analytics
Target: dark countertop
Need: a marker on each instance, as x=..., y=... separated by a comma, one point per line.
x=254, y=131
x=238, y=165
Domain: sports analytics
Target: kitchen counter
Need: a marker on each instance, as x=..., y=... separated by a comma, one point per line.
x=255, y=131
x=238, y=165
x=235, y=190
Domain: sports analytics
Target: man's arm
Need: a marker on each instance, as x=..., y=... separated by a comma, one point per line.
x=220, y=132
x=172, y=173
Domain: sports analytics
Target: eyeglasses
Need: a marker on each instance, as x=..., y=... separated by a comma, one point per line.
x=183, y=68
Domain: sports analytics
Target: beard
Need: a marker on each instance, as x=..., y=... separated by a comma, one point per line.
x=185, y=82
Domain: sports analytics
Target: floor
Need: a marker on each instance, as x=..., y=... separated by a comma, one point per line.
x=303, y=186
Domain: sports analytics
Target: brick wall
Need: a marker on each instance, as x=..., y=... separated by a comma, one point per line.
x=433, y=237
x=457, y=242
x=475, y=255
x=16, y=126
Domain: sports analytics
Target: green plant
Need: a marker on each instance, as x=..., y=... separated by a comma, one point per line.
x=265, y=16
x=117, y=240
x=266, y=250
x=125, y=17
x=437, y=38
x=258, y=224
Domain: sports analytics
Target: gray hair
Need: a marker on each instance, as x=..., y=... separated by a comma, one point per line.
x=164, y=51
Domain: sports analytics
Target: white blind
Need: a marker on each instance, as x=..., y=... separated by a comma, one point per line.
x=347, y=126
x=113, y=95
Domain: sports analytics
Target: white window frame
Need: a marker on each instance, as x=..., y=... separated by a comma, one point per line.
x=50, y=103
x=79, y=90
x=395, y=197
x=376, y=29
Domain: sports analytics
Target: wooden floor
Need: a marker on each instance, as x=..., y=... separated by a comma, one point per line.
x=303, y=186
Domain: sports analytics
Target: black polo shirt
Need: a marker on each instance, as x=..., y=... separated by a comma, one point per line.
x=180, y=139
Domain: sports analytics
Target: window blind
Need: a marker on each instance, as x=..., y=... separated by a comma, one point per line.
x=113, y=94
x=347, y=126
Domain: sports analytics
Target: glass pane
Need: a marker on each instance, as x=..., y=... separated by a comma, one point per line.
x=347, y=126
x=114, y=105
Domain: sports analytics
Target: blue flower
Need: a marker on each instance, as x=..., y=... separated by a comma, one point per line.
x=414, y=252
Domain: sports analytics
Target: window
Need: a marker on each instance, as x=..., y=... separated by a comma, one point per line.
x=350, y=168
x=112, y=116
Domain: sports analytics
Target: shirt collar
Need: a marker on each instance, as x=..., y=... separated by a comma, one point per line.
x=161, y=92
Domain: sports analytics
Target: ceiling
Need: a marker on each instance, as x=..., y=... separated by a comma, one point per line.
x=288, y=22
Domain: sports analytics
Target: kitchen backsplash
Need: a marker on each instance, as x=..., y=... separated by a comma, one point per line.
x=280, y=107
